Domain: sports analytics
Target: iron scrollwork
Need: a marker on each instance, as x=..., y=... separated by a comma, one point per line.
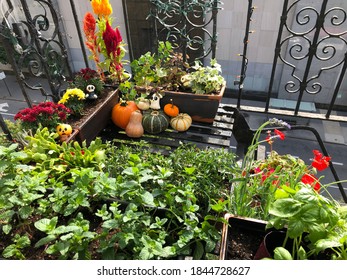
x=39, y=45
x=189, y=25
x=315, y=42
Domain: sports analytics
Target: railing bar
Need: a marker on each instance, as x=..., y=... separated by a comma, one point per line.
x=281, y=112
x=244, y=54
x=312, y=52
x=284, y=17
x=75, y=16
x=337, y=88
x=214, y=27
x=127, y=27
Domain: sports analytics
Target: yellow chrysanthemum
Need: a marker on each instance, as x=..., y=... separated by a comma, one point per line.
x=70, y=93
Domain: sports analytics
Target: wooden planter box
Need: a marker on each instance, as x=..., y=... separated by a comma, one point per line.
x=90, y=125
x=201, y=107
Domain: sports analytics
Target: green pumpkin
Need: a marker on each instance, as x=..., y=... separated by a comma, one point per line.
x=155, y=121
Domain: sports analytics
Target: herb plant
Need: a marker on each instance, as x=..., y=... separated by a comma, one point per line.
x=104, y=202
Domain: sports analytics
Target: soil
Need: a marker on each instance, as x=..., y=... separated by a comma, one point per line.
x=242, y=243
x=88, y=109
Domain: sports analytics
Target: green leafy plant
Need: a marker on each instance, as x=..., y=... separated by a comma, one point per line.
x=314, y=223
x=70, y=241
x=15, y=250
x=167, y=70
x=204, y=80
x=103, y=202
x=162, y=70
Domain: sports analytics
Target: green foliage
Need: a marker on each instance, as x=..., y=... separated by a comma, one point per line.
x=312, y=220
x=15, y=250
x=77, y=202
x=166, y=69
x=205, y=80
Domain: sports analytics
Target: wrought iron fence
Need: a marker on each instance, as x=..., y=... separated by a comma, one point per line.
x=190, y=25
x=308, y=36
x=31, y=35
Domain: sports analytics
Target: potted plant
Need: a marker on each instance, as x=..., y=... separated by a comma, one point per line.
x=86, y=117
x=315, y=225
x=195, y=90
x=282, y=194
x=85, y=78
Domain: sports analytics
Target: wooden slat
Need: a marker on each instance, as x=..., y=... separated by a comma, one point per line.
x=203, y=135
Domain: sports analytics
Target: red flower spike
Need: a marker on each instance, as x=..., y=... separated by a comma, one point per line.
x=89, y=26
x=280, y=134
x=112, y=39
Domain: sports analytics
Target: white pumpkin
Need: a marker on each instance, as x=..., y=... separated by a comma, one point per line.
x=182, y=122
x=143, y=104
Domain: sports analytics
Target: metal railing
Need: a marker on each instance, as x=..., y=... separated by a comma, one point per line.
x=34, y=44
x=185, y=23
x=316, y=41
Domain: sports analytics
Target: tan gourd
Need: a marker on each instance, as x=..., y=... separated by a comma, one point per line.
x=134, y=129
x=182, y=122
x=143, y=104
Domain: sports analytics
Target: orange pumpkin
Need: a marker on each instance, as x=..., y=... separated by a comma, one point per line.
x=171, y=109
x=121, y=113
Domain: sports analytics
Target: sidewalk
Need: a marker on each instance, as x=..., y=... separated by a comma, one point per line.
x=330, y=131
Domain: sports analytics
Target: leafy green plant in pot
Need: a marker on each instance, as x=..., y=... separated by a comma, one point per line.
x=316, y=225
x=196, y=90
x=313, y=226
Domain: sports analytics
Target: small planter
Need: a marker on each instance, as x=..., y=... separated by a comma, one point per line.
x=201, y=107
x=271, y=240
x=241, y=237
x=96, y=119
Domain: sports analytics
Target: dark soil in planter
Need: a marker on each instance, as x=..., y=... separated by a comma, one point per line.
x=243, y=244
x=89, y=108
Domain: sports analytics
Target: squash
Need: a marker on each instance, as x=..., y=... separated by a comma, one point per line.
x=182, y=122
x=171, y=110
x=134, y=128
x=143, y=104
x=155, y=122
x=121, y=113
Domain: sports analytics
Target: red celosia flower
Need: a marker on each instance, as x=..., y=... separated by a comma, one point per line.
x=280, y=134
x=112, y=39
x=311, y=180
x=320, y=162
x=89, y=26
